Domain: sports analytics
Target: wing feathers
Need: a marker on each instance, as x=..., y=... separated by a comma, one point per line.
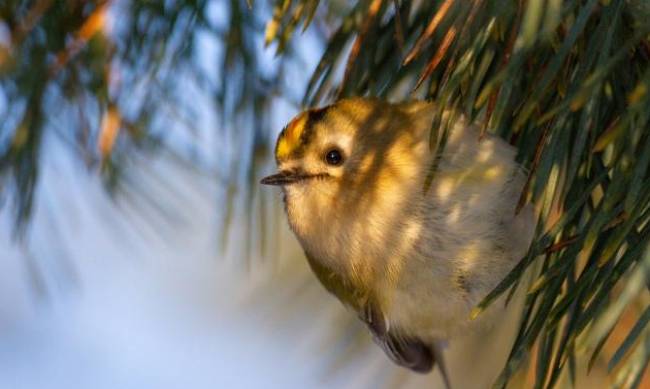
x=409, y=352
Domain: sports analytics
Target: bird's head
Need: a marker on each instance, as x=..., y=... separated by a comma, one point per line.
x=312, y=151
x=331, y=144
x=318, y=151
x=342, y=165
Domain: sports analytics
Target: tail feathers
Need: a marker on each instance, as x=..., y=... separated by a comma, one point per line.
x=437, y=350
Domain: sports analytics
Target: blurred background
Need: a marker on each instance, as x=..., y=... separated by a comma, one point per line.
x=138, y=251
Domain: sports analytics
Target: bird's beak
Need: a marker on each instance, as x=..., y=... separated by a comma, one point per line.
x=282, y=178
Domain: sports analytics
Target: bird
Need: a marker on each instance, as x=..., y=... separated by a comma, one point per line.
x=407, y=229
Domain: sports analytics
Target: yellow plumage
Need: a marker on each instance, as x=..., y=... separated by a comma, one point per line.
x=413, y=259
x=290, y=139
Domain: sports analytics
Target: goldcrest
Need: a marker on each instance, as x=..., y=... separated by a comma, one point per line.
x=410, y=245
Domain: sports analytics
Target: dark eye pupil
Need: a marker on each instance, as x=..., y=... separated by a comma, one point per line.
x=333, y=157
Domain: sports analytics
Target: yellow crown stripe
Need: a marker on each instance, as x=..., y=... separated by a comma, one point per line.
x=290, y=139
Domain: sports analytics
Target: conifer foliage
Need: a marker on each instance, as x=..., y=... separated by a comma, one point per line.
x=565, y=81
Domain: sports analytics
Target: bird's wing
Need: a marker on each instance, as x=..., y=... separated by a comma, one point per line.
x=409, y=352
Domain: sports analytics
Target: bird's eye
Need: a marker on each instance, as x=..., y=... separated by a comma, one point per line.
x=334, y=157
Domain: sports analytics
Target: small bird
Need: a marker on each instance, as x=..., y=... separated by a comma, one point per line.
x=409, y=235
